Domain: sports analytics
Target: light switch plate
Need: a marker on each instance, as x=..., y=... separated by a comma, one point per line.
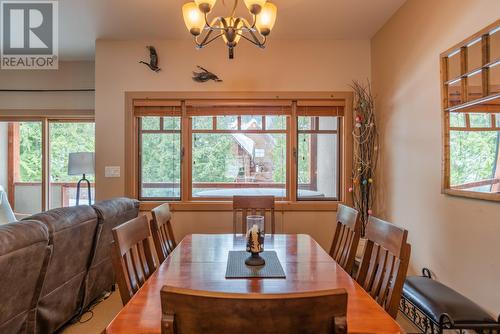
x=112, y=171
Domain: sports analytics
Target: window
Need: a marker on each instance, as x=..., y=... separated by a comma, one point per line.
x=318, y=158
x=160, y=152
x=34, y=178
x=471, y=107
x=203, y=150
x=66, y=138
x=239, y=155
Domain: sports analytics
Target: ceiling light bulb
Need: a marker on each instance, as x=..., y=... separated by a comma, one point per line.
x=255, y=6
x=193, y=18
x=266, y=19
x=205, y=5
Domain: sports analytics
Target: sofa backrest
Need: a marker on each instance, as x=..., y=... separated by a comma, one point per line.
x=110, y=213
x=71, y=233
x=24, y=255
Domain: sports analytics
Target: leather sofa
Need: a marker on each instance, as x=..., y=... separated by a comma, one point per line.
x=74, y=271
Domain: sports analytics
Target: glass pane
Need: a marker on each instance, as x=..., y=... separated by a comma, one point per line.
x=480, y=120
x=251, y=122
x=275, y=122
x=457, y=120
x=454, y=93
x=497, y=117
x=474, y=89
x=495, y=46
x=454, y=66
x=305, y=123
x=67, y=138
x=473, y=160
x=25, y=171
x=474, y=56
x=171, y=123
x=227, y=122
x=494, y=80
x=203, y=123
x=327, y=123
x=161, y=165
x=150, y=123
x=225, y=165
x=317, y=166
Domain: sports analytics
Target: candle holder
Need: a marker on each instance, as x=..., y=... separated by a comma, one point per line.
x=255, y=240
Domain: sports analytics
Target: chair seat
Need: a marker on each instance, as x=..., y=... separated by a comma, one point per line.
x=435, y=299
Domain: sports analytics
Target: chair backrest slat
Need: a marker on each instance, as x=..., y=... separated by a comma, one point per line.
x=132, y=257
x=252, y=205
x=189, y=311
x=162, y=231
x=385, y=263
x=346, y=238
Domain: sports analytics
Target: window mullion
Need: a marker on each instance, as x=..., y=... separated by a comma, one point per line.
x=292, y=166
x=186, y=151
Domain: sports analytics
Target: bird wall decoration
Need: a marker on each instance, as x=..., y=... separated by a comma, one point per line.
x=153, y=59
x=205, y=76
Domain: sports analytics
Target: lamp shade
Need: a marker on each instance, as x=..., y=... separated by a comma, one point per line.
x=193, y=18
x=266, y=19
x=255, y=6
x=81, y=163
x=205, y=5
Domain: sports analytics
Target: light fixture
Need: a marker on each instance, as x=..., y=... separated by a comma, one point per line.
x=231, y=28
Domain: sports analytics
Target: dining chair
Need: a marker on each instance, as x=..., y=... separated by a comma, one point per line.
x=161, y=229
x=190, y=311
x=346, y=238
x=385, y=262
x=253, y=205
x=132, y=257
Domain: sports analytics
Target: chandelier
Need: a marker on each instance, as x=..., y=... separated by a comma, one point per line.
x=231, y=28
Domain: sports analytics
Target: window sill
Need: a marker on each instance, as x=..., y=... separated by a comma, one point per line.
x=473, y=194
x=228, y=206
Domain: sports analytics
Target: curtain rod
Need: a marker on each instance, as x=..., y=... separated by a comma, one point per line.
x=47, y=90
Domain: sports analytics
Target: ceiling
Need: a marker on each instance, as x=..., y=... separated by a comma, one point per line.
x=84, y=21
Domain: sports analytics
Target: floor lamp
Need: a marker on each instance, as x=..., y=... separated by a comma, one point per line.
x=81, y=163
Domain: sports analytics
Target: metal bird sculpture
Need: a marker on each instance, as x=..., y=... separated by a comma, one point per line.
x=205, y=76
x=153, y=59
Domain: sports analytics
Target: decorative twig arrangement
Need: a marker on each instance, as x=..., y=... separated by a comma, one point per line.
x=365, y=153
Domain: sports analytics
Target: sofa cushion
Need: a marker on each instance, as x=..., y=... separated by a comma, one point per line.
x=436, y=299
x=24, y=254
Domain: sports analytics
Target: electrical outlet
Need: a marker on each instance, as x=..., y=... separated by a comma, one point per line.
x=112, y=171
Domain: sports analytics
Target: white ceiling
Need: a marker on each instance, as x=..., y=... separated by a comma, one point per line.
x=84, y=21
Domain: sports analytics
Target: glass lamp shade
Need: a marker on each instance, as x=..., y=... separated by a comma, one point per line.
x=205, y=5
x=231, y=37
x=255, y=6
x=266, y=19
x=193, y=18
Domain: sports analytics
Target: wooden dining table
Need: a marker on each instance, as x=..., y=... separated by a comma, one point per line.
x=199, y=263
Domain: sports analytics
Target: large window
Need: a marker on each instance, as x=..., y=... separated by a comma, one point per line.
x=34, y=157
x=471, y=107
x=210, y=150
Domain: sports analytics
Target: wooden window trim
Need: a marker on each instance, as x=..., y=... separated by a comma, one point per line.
x=334, y=99
x=486, y=102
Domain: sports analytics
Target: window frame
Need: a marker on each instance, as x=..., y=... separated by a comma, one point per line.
x=44, y=117
x=168, y=103
x=467, y=103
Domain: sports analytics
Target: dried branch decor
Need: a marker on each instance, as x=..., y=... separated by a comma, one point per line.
x=365, y=153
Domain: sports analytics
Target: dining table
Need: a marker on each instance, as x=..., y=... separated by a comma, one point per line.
x=199, y=263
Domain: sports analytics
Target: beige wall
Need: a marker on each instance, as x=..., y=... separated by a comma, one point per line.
x=283, y=66
x=71, y=75
x=457, y=238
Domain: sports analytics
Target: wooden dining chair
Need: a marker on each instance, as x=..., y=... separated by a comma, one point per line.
x=161, y=229
x=132, y=257
x=253, y=205
x=189, y=311
x=346, y=238
x=385, y=263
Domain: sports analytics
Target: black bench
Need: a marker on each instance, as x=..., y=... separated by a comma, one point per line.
x=434, y=307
